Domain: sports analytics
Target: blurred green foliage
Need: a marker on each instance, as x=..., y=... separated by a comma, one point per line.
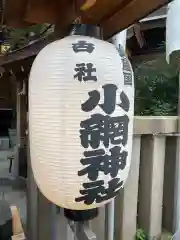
x=155, y=93
x=19, y=37
x=140, y=235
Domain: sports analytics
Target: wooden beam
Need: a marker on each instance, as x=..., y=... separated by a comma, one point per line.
x=14, y=13
x=41, y=11
x=24, y=53
x=131, y=13
x=54, y=11
x=113, y=16
x=50, y=12
x=102, y=9
x=85, y=5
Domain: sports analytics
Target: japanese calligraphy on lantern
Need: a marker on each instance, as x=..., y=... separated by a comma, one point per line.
x=83, y=46
x=102, y=130
x=84, y=72
x=128, y=77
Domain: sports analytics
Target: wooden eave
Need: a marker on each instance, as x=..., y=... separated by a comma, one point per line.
x=113, y=16
x=24, y=53
x=22, y=58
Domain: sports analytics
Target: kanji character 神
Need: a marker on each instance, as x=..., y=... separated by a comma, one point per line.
x=99, y=161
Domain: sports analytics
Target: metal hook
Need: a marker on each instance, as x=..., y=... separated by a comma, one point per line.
x=78, y=20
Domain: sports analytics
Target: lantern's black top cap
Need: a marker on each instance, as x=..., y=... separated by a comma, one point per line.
x=86, y=30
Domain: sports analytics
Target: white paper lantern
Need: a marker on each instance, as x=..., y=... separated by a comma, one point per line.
x=81, y=105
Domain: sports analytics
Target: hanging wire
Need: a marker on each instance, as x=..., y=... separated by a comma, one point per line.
x=78, y=20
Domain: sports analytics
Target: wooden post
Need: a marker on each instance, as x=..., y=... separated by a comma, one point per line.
x=21, y=117
x=151, y=184
x=126, y=202
x=32, y=206
x=18, y=127
x=21, y=127
x=39, y=210
x=176, y=220
x=45, y=218
x=172, y=56
x=98, y=224
x=169, y=183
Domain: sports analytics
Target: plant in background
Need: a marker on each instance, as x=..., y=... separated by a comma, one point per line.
x=156, y=93
x=140, y=235
x=21, y=37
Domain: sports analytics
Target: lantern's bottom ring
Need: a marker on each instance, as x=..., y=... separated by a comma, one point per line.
x=81, y=215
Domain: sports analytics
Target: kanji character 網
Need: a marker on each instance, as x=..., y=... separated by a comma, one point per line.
x=105, y=129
